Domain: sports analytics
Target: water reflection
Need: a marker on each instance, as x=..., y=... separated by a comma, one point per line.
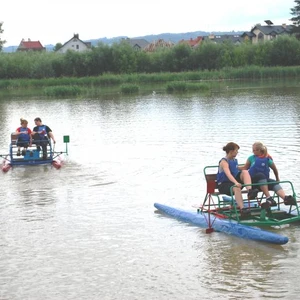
x=242, y=267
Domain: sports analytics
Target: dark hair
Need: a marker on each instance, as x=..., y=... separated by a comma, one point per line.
x=231, y=146
x=38, y=119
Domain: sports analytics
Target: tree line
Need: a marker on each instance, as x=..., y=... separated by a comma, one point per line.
x=121, y=58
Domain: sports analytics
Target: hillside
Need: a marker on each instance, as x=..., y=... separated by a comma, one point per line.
x=173, y=37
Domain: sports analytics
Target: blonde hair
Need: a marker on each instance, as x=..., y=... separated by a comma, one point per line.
x=23, y=121
x=259, y=146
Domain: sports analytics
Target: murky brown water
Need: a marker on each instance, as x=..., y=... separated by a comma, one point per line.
x=90, y=231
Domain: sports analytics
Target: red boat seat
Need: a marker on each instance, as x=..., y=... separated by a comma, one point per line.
x=211, y=183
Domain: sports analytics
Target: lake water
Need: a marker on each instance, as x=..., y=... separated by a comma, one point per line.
x=90, y=231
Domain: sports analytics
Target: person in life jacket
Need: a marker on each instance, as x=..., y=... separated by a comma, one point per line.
x=41, y=134
x=231, y=179
x=24, y=137
x=259, y=165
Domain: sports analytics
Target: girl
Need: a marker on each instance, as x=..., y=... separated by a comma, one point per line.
x=259, y=165
x=230, y=177
x=24, y=137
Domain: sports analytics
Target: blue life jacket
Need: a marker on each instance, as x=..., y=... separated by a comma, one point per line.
x=24, y=136
x=233, y=167
x=260, y=165
x=43, y=136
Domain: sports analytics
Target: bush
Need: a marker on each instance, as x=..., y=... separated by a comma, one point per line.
x=62, y=91
x=177, y=87
x=186, y=86
x=129, y=88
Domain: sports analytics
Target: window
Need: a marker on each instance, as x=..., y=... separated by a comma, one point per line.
x=260, y=37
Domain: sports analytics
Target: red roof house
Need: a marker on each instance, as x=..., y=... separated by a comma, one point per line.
x=30, y=46
x=192, y=42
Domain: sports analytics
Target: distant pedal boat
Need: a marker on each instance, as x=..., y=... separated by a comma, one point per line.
x=33, y=155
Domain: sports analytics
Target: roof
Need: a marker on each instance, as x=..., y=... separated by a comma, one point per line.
x=273, y=29
x=234, y=38
x=30, y=45
x=76, y=36
x=157, y=45
x=248, y=33
x=140, y=43
x=269, y=30
x=192, y=42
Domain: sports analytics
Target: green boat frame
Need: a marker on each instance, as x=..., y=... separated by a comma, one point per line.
x=216, y=205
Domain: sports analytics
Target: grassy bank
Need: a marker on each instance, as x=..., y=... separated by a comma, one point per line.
x=132, y=83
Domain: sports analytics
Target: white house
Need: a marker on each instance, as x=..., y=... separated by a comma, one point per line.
x=74, y=44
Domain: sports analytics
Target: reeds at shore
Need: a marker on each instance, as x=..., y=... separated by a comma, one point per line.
x=133, y=83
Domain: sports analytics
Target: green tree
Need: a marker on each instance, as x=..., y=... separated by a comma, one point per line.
x=76, y=64
x=240, y=55
x=161, y=60
x=100, y=59
x=2, y=42
x=143, y=62
x=261, y=55
x=295, y=11
x=124, y=58
x=181, y=54
x=209, y=56
x=226, y=54
x=57, y=46
x=285, y=51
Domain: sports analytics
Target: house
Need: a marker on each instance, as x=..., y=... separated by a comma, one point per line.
x=263, y=33
x=234, y=38
x=192, y=42
x=74, y=44
x=137, y=44
x=159, y=44
x=30, y=46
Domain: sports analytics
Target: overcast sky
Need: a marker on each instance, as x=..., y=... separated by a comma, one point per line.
x=56, y=21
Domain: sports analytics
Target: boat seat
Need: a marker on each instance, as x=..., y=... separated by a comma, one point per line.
x=212, y=186
x=212, y=193
x=35, y=154
x=13, y=139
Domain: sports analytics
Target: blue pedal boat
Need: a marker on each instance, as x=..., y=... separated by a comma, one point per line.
x=33, y=156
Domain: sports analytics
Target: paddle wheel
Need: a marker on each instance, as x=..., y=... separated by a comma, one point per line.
x=5, y=165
